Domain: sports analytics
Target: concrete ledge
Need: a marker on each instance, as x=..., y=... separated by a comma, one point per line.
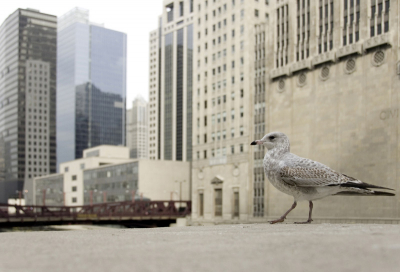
x=377, y=41
x=278, y=72
x=242, y=247
x=324, y=57
x=355, y=48
x=300, y=65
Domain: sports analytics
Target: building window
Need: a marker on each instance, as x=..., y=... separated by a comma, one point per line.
x=74, y=200
x=256, y=12
x=282, y=26
x=201, y=204
x=241, y=148
x=170, y=12
x=232, y=149
x=66, y=169
x=218, y=202
x=236, y=204
x=74, y=189
x=73, y=177
x=180, y=8
x=82, y=166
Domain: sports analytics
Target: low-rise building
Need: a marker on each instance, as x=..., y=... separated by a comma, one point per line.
x=107, y=174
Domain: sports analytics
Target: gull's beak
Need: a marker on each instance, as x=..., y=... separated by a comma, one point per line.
x=256, y=142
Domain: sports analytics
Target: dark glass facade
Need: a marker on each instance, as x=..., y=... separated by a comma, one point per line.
x=179, y=95
x=159, y=88
x=189, y=89
x=173, y=113
x=168, y=94
x=91, y=102
x=28, y=46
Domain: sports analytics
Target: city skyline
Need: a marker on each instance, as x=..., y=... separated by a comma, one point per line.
x=118, y=15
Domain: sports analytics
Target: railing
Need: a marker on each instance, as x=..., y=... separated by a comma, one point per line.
x=118, y=210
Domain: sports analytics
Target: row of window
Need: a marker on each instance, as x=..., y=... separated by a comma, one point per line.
x=218, y=100
x=218, y=118
x=221, y=151
x=220, y=39
x=379, y=23
x=37, y=169
x=37, y=163
x=216, y=136
x=37, y=150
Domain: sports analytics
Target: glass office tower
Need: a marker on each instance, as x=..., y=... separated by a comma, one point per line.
x=28, y=51
x=170, y=83
x=91, y=86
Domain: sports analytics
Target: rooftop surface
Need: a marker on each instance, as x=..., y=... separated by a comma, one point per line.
x=255, y=247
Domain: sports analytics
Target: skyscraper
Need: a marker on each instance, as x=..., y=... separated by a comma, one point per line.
x=91, y=87
x=225, y=81
x=28, y=46
x=137, y=128
x=171, y=62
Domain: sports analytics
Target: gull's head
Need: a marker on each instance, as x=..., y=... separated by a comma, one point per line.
x=273, y=139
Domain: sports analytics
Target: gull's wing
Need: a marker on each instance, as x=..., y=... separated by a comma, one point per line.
x=303, y=172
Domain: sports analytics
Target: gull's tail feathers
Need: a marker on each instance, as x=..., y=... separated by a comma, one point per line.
x=361, y=185
x=365, y=193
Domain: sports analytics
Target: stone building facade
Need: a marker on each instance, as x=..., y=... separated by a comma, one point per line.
x=337, y=98
x=223, y=86
x=324, y=72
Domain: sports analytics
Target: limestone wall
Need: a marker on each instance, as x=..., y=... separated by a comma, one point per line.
x=348, y=121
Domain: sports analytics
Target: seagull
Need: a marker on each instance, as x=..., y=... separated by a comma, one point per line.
x=304, y=179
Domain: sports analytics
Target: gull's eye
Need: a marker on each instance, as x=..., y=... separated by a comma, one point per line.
x=271, y=137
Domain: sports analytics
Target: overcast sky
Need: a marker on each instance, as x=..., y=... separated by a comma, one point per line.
x=135, y=18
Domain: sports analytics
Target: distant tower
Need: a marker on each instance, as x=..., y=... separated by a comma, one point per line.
x=91, y=89
x=28, y=46
x=137, y=128
x=171, y=77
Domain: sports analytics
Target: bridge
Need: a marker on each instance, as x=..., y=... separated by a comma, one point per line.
x=130, y=214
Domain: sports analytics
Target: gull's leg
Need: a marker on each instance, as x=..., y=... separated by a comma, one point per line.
x=309, y=215
x=283, y=217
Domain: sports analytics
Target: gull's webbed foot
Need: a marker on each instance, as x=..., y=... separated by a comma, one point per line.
x=307, y=222
x=280, y=220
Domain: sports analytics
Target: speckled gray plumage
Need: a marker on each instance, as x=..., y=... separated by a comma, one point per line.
x=303, y=178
